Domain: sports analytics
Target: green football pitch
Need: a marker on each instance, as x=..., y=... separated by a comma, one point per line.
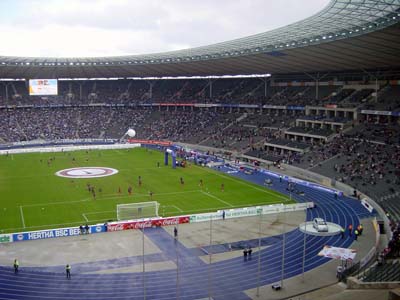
x=32, y=197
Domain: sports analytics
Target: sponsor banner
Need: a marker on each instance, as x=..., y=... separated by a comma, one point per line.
x=150, y=142
x=249, y=105
x=98, y=228
x=294, y=107
x=272, y=209
x=228, y=105
x=279, y=208
x=205, y=105
x=367, y=205
x=274, y=106
x=59, y=148
x=243, y=212
x=330, y=105
x=249, y=211
x=174, y=104
x=147, y=223
x=313, y=185
x=45, y=234
x=263, y=171
x=208, y=216
x=53, y=233
x=6, y=238
x=376, y=112
x=307, y=83
x=301, y=182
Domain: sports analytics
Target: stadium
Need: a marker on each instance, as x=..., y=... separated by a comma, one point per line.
x=264, y=167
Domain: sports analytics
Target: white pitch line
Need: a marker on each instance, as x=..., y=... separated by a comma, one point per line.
x=56, y=203
x=215, y=197
x=244, y=183
x=84, y=216
x=170, y=193
x=177, y=208
x=102, y=220
x=22, y=216
x=113, y=197
x=100, y=212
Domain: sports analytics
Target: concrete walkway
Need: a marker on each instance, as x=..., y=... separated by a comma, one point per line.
x=121, y=252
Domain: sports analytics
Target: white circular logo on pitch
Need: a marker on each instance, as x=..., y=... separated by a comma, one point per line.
x=87, y=172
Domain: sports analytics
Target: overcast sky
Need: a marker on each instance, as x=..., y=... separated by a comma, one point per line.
x=119, y=27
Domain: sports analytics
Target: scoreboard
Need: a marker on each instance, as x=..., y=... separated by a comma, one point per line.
x=41, y=87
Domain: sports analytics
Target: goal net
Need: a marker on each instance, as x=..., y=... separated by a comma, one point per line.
x=131, y=211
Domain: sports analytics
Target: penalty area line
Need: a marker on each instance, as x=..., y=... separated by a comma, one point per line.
x=22, y=216
x=163, y=207
x=84, y=216
x=217, y=198
x=243, y=182
x=177, y=208
x=106, y=198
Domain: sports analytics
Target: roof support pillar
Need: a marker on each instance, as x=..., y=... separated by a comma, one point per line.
x=371, y=75
x=265, y=80
x=80, y=90
x=151, y=84
x=317, y=80
x=210, y=87
x=6, y=87
x=265, y=87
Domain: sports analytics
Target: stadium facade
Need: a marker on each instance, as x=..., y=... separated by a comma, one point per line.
x=333, y=131
x=345, y=35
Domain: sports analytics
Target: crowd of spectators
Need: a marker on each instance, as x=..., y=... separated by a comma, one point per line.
x=357, y=158
x=385, y=133
x=51, y=123
x=392, y=250
x=369, y=164
x=124, y=91
x=387, y=100
x=25, y=124
x=237, y=137
x=278, y=120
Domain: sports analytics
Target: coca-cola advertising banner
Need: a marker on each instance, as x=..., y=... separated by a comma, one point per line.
x=138, y=224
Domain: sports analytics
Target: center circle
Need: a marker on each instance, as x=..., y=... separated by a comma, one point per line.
x=86, y=172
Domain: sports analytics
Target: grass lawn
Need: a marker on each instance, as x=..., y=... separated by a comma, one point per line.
x=33, y=197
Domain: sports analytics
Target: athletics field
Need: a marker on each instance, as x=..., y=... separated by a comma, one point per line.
x=33, y=197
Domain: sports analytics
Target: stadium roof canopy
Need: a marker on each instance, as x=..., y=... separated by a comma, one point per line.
x=345, y=35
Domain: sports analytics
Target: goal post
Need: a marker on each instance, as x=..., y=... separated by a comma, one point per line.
x=131, y=211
